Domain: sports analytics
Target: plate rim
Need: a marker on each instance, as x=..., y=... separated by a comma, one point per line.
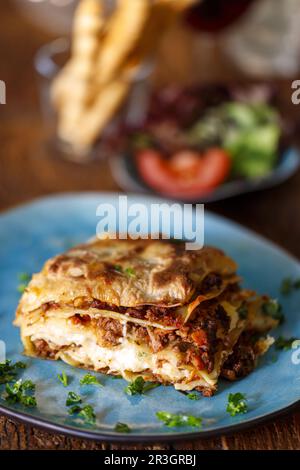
x=47, y=425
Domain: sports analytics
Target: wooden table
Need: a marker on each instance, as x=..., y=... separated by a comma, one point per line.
x=24, y=175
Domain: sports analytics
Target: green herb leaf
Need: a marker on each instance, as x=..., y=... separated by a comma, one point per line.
x=85, y=412
x=236, y=404
x=21, y=288
x=63, y=378
x=90, y=379
x=173, y=420
x=24, y=279
x=115, y=377
x=88, y=414
x=16, y=393
x=193, y=396
x=150, y=385
x=273, y=309
x=74, y=409
x=284, y=344
x=242, y=312
x=122, y=427
x=73, y=399
x=8, y=370
x=139, y=386
x=28, y=401
x=129, y=271
x=28, y=385
x=274, y=358
x=118, y=268
x=20, y=365
x=288, y=285
x=136, y=387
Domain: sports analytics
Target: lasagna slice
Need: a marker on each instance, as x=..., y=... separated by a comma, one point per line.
x=145, y=308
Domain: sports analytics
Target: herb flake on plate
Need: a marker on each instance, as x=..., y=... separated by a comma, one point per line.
x=122, y=427
x=63, y=378
x=193, y=396
x=17, y=392
x=85, y=412
x=130, y=271
x=284, y=344
x=139, y=386
x=8, y=370
x=90, y=379
x=23, y=279
x=242, y=312
x=173, y=420
x=288, y=285
x=237, y=404
x=273, y=309
x=73, y=399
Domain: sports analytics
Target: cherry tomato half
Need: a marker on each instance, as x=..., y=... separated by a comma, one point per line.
x=187, y=174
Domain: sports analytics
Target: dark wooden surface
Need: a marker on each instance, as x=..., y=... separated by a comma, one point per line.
x=25, y=174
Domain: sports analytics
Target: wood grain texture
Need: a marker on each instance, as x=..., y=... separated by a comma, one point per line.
x=26, y=172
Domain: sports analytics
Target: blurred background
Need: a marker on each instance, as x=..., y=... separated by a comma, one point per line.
x=186, y=99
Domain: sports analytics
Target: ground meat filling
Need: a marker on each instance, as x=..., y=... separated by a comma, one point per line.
x=146, y=312
x=197, y=341
x=211, y=281
x=242, y=361
x=44, y=349
x=210, y=321
x=109, y=332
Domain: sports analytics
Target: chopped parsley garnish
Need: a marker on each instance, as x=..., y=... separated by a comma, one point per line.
x=130, y=271
x=90, y=379
x=237, y=404
x=73, y=399
x=118, y=268
x=85, y=412
x=17, y=392
x=74, y=409
x=284, y=344
x=273, y=309
x=8, y=370
x=63, y=378
x=288, y=285
x=117, y=377
x=173, y=420
x=274, y=358
x=122, y=427
x=22, y=287
x=150, y=386
x=242, y=312
x=24, y=279
x=20, y=365
x=139, y=386
x=193, y=396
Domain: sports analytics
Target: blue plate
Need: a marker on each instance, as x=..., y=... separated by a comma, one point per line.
x=127, y=177
x=32, y=233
